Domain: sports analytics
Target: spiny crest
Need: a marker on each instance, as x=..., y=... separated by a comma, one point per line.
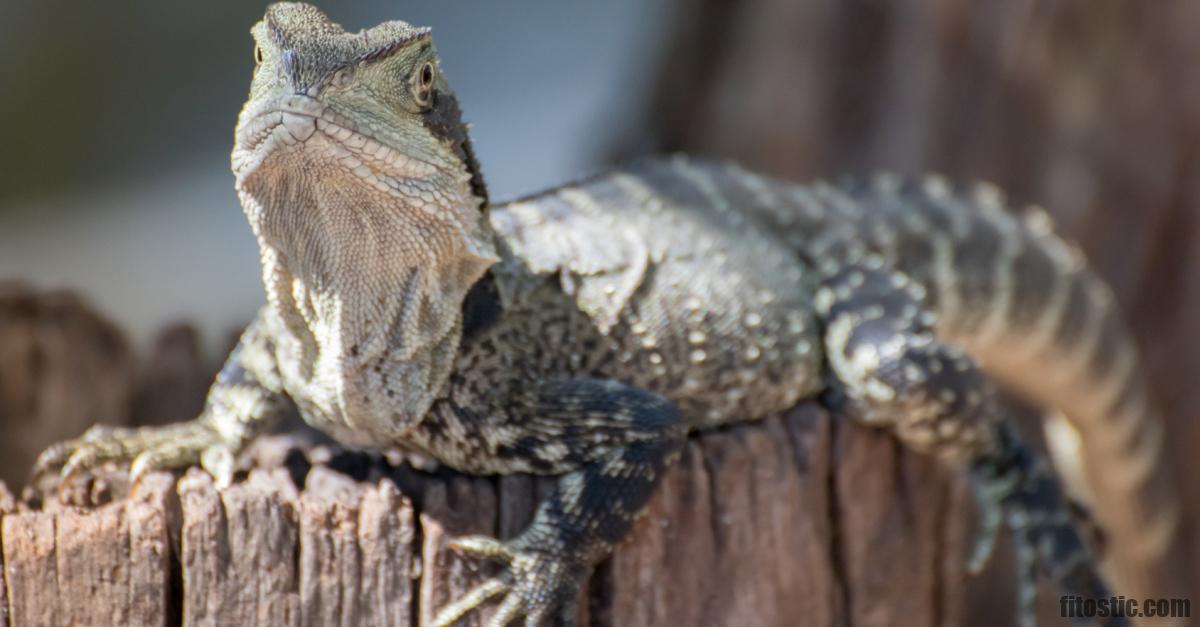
x=307, y=30
x=388, y=37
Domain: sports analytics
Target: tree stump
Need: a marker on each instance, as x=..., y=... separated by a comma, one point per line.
x=797, y=519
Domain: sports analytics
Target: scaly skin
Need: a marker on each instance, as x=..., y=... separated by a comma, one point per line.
x=584, y=332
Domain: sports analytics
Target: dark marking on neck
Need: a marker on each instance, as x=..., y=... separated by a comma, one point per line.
x=444, y=120
x=481, y=307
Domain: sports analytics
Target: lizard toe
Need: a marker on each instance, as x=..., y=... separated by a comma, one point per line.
x=146, y=449
x=469, y=602
x=485, y=547
x=536, y=586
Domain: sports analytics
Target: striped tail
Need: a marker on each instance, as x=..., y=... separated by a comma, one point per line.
x=1066, y=347
x=1039, y=321
x=1023, y=304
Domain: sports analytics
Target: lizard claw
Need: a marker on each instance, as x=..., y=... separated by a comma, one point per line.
x=149, y=448
x=483, y=546
x=535, y=585
x=62, y=455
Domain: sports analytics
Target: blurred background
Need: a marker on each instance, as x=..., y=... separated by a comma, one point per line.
x=118, y=118
x=118, y=121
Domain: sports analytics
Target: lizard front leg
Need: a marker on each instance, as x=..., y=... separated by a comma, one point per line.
x=619, y=439
x=242, y=403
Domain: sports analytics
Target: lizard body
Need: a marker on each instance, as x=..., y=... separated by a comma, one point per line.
x=583, y=332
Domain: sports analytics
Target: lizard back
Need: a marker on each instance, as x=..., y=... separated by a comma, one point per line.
x=1018, y=298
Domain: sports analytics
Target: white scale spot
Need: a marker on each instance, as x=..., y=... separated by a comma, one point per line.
x=753, y=319
x=697, y=337
x=824, y=300
x=874, y=312
x=753, y=353
x=649, y=342
x=698, y=356
x=656, y=358
x=804, y=347
x=947, y=429
x=936, y=186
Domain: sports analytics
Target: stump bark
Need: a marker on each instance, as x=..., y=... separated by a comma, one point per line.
x=800, y=519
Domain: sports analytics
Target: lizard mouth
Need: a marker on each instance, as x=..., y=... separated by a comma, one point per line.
x=306, y=125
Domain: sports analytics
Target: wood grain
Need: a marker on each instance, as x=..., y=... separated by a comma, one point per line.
x=797, y=516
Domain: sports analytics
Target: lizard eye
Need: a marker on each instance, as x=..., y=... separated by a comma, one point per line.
x=422, y=84
x=258, y=54
x=342, y=77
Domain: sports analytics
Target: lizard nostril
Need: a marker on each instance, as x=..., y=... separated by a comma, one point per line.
x=301, y=127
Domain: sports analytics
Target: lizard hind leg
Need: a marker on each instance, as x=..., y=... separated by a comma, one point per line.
x=1016, y=486
x=891, y=371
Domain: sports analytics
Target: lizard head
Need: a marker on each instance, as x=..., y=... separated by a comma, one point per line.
x=352, y=144
x=355, y=171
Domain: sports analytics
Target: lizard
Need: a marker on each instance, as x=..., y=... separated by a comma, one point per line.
x=584, y=332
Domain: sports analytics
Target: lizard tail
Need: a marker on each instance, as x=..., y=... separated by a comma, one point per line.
x=1060, y=341
x=1024, y=305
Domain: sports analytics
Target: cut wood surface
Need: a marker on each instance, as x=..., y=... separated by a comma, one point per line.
x=800, y=519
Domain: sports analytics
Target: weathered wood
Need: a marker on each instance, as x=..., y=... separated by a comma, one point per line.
x=796, y=518
x=109, y=566
x=239, y=551
x=7, y=504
